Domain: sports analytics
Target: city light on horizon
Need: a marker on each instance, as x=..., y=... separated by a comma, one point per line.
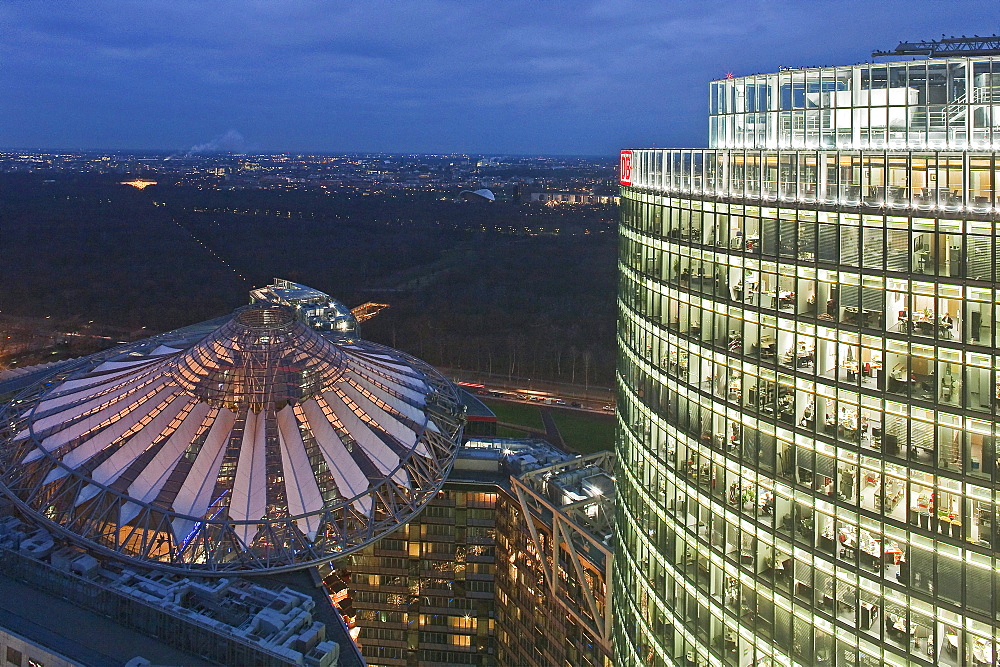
x=139, y=183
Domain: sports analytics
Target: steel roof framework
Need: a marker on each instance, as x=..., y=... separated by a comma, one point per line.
x=300, y=404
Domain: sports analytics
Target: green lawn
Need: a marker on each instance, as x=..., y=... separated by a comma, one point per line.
x=585, y=432
x=504, y=432
x=515, y=413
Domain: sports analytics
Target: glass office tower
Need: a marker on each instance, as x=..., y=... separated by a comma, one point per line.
x=808, y=385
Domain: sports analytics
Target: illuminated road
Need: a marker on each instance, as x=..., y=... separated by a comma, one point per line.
x=570, y=398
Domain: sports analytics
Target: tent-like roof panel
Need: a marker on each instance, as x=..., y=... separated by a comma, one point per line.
x=251, y=440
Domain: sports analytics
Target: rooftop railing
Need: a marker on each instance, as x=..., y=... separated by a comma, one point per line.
x=921, y=181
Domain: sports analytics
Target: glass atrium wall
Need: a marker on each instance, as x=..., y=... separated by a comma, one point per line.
x=936, y=104
x=808, y=397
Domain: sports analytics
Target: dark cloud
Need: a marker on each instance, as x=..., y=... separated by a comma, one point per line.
x=562, y=76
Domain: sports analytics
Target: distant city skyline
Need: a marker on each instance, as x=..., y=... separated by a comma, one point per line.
x=520, y=78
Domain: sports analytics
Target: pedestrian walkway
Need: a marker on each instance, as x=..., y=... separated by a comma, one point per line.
x=551, y=430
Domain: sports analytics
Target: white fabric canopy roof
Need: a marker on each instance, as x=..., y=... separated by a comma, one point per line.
x=254, y=429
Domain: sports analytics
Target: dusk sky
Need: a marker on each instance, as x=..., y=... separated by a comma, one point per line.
x=522, y=77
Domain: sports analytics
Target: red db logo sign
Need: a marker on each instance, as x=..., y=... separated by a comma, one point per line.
x=625, y=170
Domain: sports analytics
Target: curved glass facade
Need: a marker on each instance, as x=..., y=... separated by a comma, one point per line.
x=808, y=398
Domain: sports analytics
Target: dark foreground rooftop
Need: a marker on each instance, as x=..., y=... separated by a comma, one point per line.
x=76, y=633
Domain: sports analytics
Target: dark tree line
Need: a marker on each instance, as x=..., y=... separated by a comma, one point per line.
x=462, y=294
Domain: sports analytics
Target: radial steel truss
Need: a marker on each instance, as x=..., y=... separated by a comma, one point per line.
x=262, y=446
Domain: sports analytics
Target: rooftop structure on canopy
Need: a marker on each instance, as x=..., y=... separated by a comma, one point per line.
x=315, y=308
x=247, y=444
